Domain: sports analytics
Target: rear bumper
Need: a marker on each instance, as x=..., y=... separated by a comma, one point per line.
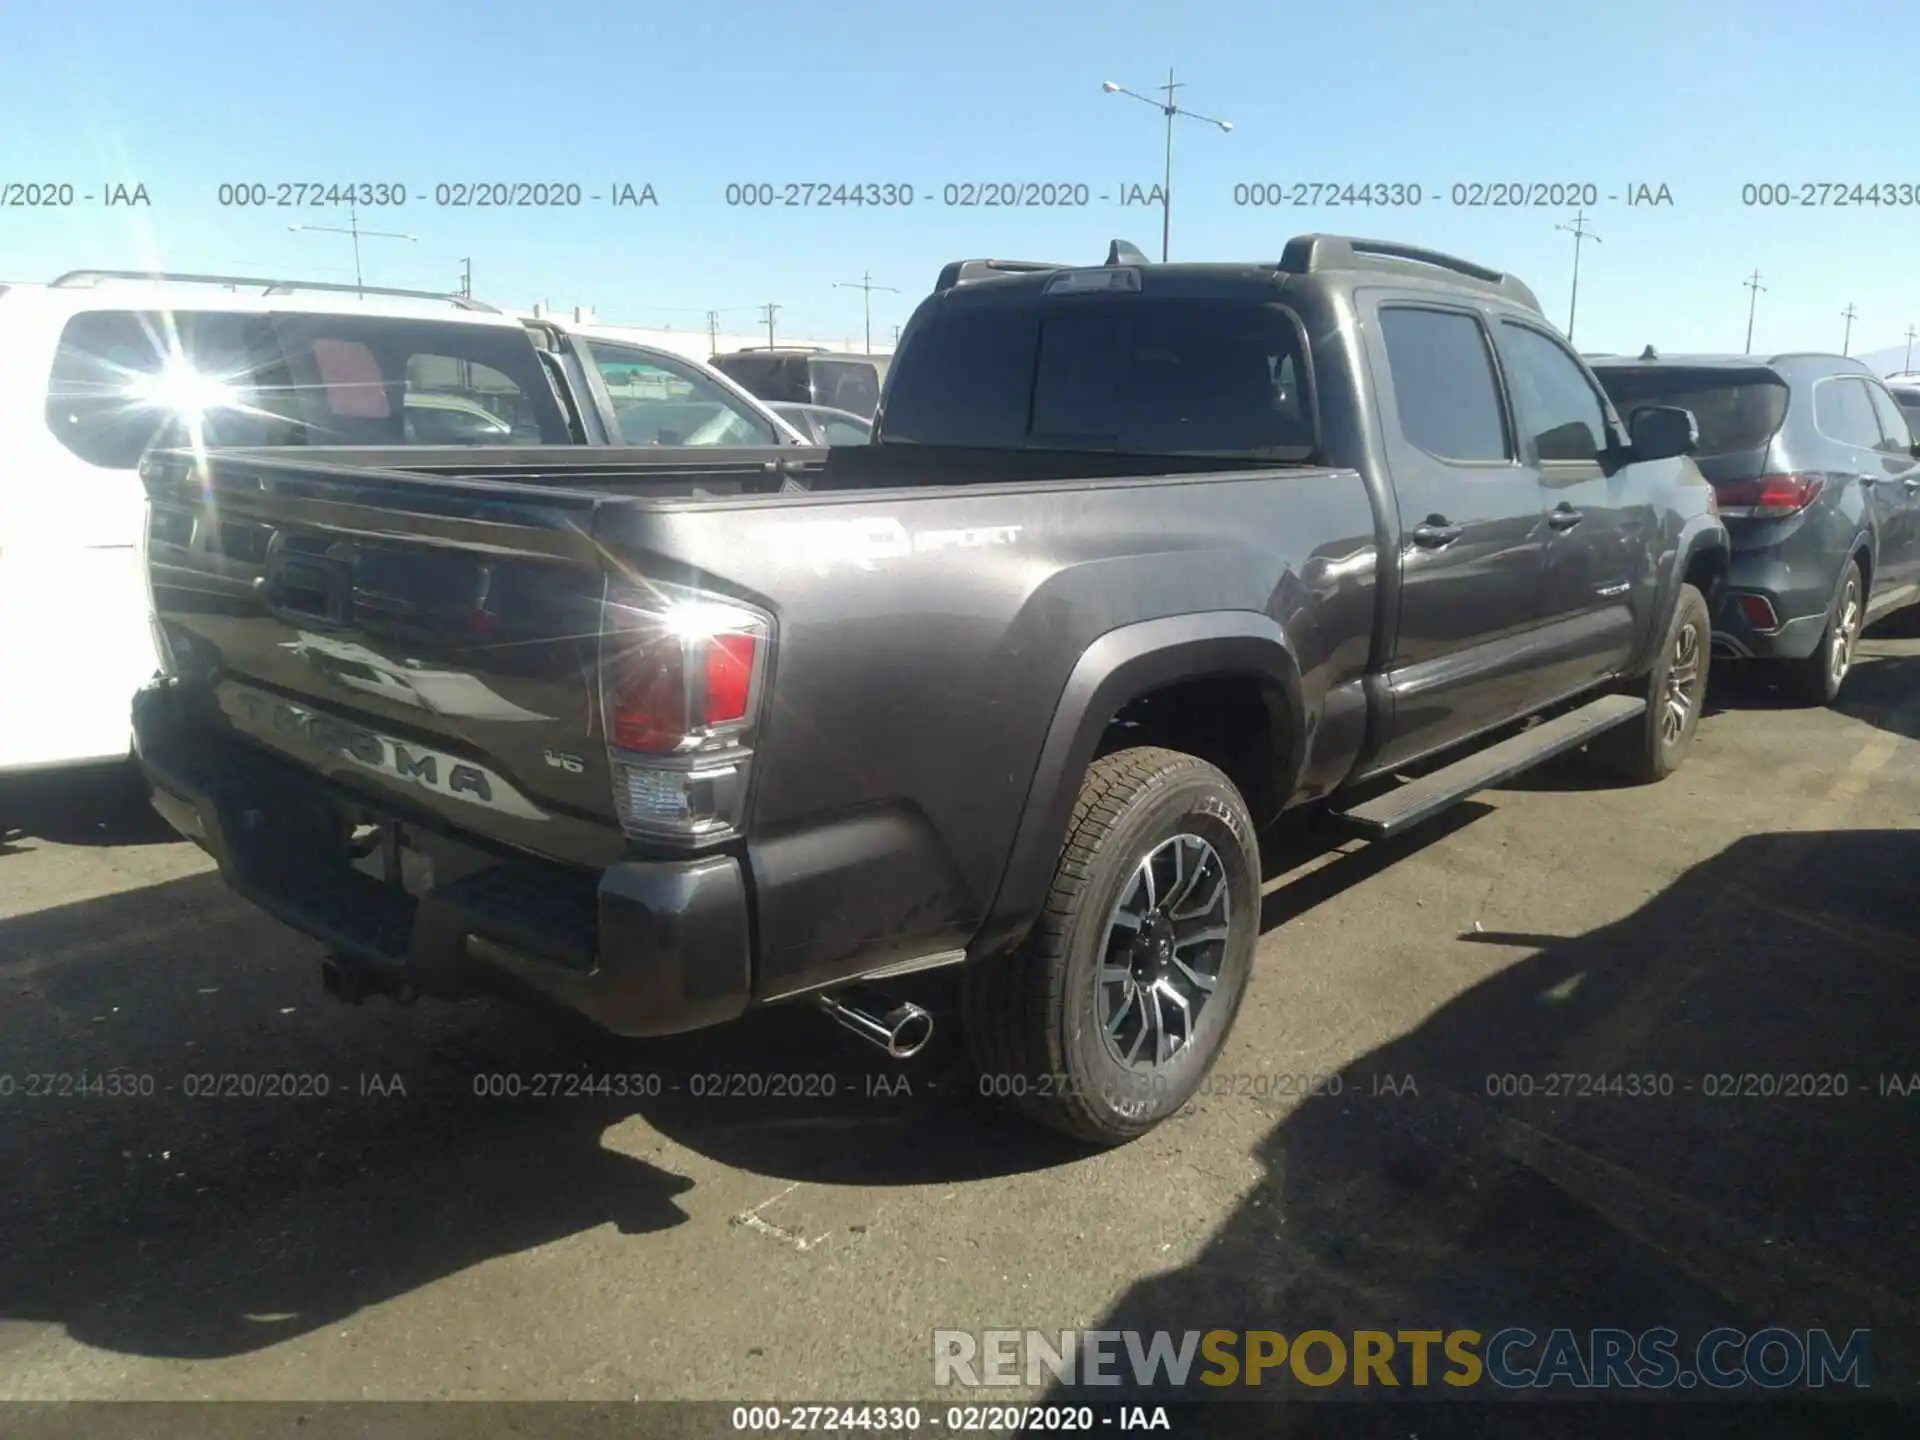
x=1798, y=597
x=643, y=948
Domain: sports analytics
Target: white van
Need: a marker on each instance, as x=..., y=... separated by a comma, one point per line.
x=98, y=366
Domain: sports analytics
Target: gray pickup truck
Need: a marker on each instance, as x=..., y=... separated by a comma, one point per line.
x=1141, y=557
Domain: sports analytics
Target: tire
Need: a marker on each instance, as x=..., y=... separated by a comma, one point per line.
x=1034, y=1018
x=1817, y=679
x=1650, y=748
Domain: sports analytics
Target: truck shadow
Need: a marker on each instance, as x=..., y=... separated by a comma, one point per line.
x=359, y=1154
x=1433, y=1192
x=155, y=1207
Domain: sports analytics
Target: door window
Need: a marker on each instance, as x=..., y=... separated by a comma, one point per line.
x=656, y=402
x=1444, y=387
x=1557, y=404
x=1896, y=438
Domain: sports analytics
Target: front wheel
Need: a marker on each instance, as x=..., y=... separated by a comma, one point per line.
x=1653, y=746
x=1106, y=1020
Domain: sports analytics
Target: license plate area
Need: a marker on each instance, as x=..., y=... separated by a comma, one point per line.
x=385, y=849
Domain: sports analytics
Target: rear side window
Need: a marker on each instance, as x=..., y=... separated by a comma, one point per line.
x=1444, y=389
x=1843, y=411
x=1739, y=411
x=846, y=385
x=124, y=382
x=769, y=377
x=1137, y=376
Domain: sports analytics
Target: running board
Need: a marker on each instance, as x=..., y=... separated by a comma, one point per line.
x=1402, y=808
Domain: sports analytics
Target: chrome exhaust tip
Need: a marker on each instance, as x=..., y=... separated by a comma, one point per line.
x=899, y=1027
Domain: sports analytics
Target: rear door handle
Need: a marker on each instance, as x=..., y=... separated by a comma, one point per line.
x=1868, y=480
x=1564, y=518
x=1435, y=533
x=1912, y=485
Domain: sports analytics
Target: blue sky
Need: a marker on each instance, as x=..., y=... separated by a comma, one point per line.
x=1698, y=95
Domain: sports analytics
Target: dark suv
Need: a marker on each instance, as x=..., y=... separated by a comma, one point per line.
x=808, y=376
x=1814, y=465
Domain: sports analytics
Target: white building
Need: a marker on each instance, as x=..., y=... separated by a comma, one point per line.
x=696, y=342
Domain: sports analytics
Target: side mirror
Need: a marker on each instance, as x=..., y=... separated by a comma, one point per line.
x=1661, y=432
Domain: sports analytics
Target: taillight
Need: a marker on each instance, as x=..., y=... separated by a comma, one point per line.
x=1760, y=613
x=1770, y=497
x=681, y=678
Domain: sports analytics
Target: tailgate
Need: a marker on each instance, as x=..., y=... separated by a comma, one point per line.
x=430, y=643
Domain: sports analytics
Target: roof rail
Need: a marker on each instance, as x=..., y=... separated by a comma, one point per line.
x=806, y=349
x=83, y=279
x=1308, y=254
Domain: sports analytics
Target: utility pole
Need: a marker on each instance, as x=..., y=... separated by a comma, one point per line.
x=713, y=332
x=466, y=278
x=1907, y=364
x=1752, y=282
x=1846, y=345
x=1580, y=233
x=866, y=286
x=896, y=337
x=353, y=223
x=768, y=311
x=1172, y=111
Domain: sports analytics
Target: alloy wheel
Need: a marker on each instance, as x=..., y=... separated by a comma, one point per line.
x=1846, y=632
x=1161, y=957
x=1683, y=678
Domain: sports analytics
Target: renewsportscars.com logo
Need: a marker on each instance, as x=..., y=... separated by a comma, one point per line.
x=1514, y=1358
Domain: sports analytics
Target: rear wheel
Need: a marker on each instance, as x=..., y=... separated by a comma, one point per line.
x=1817, y=679
x=1655, y=744
x=1107, y=1019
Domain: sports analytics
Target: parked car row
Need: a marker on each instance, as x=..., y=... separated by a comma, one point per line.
x=640, y=703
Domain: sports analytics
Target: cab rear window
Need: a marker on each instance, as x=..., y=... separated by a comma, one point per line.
x=124, y=382
x=1736, y=410
x=1132, y=374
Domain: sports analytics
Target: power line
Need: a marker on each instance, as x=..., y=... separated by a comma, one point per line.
x=1580, y=233
x=1172, y=111
x=353, y=222
x=1752, y=282
x=866, y=286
